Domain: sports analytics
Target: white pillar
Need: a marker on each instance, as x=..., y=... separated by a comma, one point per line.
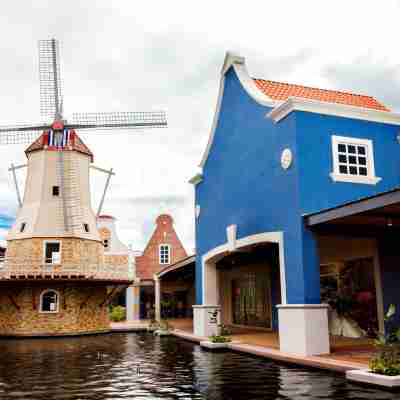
x=206, y=320
x=303, y=329
x=129, y=300
x=157, y=295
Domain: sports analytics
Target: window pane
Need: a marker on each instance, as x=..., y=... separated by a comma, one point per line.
x=342, y=148
x=49, y=301
x=352, y=160
x=351, y=149
x=363, y=171
x=343, y=169
x=353, y=170
x=342, y=158
x=50, y=249
x=361, y=149
x=362, y=160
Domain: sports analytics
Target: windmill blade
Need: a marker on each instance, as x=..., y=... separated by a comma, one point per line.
x=20, y=134
x=118, y=120
x=49, y=76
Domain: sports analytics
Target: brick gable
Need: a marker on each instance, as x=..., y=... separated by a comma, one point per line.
x=148, y=264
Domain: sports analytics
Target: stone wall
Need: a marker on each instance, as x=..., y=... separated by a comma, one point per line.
x=80, y=311
x=73, y=251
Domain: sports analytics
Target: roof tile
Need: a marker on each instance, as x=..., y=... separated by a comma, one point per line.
x=282, y=91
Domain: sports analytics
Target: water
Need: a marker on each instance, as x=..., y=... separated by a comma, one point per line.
x=140, y=366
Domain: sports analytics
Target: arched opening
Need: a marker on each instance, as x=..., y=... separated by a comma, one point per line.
x=49, y=301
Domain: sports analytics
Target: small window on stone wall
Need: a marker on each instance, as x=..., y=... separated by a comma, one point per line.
x=22, y=227
x=86, y=228
x=49, y=300
x=52, y=252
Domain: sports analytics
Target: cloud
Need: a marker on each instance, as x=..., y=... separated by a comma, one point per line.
x=369, y=75
x=168, y=55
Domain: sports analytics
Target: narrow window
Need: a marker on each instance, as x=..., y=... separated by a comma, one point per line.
x=49, y=301
x=86, y=228
x=164, y=254
x=52, y=253
x=56, y=190
x=23, y=226
x=105, y=244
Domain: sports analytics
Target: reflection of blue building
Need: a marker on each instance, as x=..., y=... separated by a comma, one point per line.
x=297, y=198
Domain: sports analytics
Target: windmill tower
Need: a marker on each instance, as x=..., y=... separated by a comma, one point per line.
x=54, y=278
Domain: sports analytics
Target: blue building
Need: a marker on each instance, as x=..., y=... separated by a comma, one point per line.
x=297, y=204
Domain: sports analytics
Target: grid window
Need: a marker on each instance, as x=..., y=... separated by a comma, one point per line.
x=52, y=252
x=164, y=254
x=352, y=159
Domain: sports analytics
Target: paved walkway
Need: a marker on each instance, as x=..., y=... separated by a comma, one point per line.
x=346, y=353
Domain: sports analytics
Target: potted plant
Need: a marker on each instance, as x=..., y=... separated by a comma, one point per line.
x=218, y=341
x=384, y=368
x=164, y=328
x=117, y=313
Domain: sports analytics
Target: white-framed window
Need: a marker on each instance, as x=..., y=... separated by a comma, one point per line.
x=49, y=301
x=353, y=160
x=52, y=252
x=165, y=253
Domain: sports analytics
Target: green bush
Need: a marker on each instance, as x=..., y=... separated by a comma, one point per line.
x=219, y=339
x=387, y=361
x=117, y=314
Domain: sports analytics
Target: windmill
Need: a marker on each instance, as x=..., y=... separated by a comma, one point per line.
x=58, y=132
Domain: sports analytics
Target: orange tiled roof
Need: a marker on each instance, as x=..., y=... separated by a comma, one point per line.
x=281, y=91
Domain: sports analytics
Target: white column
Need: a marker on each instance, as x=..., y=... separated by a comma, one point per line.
x=303, y=329
x=157, y=295
x=129, y=299
x=206, y=319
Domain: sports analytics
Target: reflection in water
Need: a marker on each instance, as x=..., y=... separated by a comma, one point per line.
x=140, y=366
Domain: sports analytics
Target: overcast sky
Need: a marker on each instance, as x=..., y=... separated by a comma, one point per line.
x=150, y=55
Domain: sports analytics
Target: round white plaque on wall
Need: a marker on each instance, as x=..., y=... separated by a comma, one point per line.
x=286, y=158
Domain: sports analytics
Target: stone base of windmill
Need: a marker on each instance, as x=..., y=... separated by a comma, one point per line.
x=79, y=311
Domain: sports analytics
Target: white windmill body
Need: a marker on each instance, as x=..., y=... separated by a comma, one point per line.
x=55, y=264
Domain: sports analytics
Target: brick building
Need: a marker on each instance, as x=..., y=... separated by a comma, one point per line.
x=164, y=248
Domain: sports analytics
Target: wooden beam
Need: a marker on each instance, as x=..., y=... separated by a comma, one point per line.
x=33, y=299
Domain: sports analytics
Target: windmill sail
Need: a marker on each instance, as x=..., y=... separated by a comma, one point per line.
x=50, y=81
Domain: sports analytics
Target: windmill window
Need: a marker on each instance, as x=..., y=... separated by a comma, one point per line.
x=56, y=190
x=86, y=228
x=52, y=252
x=22, y=227
x=353, y=160
x=106, y=244
x=164, y=254
x=49, y=301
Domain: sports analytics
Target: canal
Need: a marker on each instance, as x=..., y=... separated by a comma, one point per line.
x=140, y=366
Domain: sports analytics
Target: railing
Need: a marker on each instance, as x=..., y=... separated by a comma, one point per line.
x=30, y=268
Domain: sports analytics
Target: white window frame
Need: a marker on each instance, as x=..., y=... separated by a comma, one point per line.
x=44, y=251
x=169, y=254
x=337, y=176
x=41, y=311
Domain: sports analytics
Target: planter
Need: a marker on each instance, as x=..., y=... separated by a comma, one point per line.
x=365, y=376
x=214, y=346
x=160, y=332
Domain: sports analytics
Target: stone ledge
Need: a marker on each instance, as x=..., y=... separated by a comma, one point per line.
x=213, y=346
x=365, y=376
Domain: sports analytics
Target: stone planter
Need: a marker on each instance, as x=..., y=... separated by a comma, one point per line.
x=160, y=332
x=365, y=376
x=214, y=346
